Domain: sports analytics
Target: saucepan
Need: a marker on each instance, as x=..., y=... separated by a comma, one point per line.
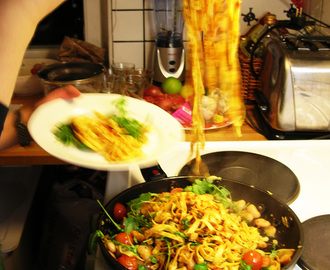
x=289, y=233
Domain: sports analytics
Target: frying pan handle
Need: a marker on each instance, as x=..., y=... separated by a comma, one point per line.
x=154, y=172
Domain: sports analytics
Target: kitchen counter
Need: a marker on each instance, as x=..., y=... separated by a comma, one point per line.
x=35, y=155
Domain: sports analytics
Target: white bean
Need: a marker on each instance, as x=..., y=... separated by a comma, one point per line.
x=247, y=215
x=240, y=204
x=270, y=231
x=144, y=252
x=262, y=223
x=110, y=246
x=253, y=210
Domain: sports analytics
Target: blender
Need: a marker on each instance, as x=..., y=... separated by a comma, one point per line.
x=169, y=54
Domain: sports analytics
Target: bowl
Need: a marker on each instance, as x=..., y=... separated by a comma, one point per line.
x=27, y=82
x=86, y=77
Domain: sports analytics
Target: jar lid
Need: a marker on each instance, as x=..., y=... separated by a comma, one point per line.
x=315, y=255
x=270, y=19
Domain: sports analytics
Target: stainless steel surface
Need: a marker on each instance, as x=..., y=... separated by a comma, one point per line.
x=296, y=83
x=168, y=62
x=87, y=77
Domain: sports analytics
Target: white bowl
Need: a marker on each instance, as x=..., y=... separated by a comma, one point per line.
x=28, y=84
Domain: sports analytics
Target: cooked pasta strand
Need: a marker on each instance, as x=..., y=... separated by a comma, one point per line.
x=212, y=60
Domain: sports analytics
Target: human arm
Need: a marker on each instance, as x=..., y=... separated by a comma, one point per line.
x=18, y=21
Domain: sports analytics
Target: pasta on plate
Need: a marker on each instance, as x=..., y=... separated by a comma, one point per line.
x=116, y=137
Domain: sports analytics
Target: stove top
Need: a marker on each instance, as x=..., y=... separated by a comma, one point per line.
x=253, y=169
x=309, y=160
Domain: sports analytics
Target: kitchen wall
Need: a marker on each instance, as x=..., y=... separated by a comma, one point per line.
x=319, y=9
x=127, y=26
x=133, y=30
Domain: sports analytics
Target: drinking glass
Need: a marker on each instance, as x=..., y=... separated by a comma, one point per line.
x=123, y=68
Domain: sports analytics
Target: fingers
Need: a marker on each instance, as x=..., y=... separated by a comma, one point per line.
x=64, y=92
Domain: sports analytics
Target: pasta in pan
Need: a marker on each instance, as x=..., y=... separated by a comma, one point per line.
x=182, y=229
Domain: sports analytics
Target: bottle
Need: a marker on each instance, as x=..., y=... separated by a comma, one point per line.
x=305, y=31
x=248, y=42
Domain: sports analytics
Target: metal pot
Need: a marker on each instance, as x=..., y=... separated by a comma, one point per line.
x=87, y=77
x=275, y=211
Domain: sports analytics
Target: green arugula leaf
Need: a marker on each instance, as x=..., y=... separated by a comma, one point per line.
x=244, y=266
x=64, y=134
x=182, y=235
x=93, y=244
x=185, y=222
x=132, y=126
x=205, y=187
x=130, y=223
x=201, y=266
x=136, y=204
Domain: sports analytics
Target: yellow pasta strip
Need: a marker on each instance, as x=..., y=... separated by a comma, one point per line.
x=212, y=61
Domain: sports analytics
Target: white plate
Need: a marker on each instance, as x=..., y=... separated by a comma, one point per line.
x=211, y=126
x=166, y=132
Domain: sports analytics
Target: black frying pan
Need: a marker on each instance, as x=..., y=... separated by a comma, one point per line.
x=253, y=169
x=275, y=210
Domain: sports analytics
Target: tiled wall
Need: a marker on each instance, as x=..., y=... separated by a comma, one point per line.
x=133, y=30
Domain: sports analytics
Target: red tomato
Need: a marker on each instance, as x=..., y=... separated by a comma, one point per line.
x=176, y=190
x=119, y=211
x=253, y=258
x=177, y=101
x=165, y=104
x=128, y=261
x=152, y=91
x=124, y=238
x=149, y=99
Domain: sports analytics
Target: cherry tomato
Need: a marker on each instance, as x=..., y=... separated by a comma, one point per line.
x=124, y=238
x=119, y=211
x=253, y=258
x=176, y=190
x=128, y=261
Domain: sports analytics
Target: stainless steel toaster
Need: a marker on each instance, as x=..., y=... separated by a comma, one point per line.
x=295, y=91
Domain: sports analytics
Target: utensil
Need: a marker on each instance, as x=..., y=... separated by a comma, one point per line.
x=288, y=237
x=199, y=170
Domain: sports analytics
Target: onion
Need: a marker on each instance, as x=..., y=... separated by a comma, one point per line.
x=152, y=91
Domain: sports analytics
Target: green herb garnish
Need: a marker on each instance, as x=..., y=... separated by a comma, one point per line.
x=65, y=134
x=133, y=127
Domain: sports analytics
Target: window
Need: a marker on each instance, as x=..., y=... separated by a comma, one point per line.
x=66, y=20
